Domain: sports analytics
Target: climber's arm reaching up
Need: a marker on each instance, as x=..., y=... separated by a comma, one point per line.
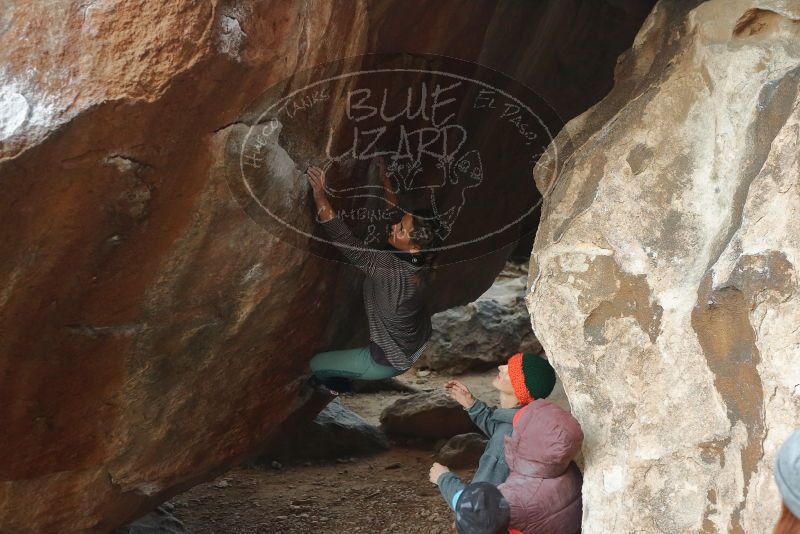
x=356, y=251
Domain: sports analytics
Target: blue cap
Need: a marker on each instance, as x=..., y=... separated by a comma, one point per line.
x=787, y=472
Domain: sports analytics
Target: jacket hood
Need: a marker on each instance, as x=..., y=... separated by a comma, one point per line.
x=545, y=440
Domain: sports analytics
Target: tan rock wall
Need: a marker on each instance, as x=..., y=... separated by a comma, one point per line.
x=664, y=278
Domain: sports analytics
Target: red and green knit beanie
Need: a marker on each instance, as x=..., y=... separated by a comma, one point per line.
x=531, y=375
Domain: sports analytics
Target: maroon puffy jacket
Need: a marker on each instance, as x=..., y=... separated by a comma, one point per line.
x=544, y=485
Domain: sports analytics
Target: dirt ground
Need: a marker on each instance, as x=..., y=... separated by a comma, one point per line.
x=387, y=493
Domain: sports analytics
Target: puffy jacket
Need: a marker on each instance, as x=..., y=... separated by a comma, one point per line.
x=496, y=424
x=544, y=484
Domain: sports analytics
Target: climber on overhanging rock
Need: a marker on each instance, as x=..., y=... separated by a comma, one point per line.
x=394, y=293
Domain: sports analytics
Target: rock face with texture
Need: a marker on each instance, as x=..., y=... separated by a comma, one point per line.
x=334, y=432
x=462, y=451
x=483, y=333
x=664, y=278
x=151, y=335
x=426, y=415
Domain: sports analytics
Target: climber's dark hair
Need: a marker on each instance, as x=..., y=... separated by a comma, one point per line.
x=424, y=234
x=426, y=224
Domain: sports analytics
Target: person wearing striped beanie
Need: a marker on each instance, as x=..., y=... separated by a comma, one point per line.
x=530, y=376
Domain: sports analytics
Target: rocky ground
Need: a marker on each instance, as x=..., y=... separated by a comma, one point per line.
x=387, y=492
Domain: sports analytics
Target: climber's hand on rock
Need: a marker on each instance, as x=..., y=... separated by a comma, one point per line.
x=459, y=393
x=436, y=471
x=316, y=177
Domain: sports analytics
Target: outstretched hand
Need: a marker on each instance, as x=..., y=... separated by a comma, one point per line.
x=436, y=471
x=459, y=392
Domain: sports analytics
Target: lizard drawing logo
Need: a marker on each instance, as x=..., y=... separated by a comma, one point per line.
x=443, y=140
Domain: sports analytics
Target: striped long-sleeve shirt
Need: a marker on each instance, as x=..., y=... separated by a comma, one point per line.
x=393, y=297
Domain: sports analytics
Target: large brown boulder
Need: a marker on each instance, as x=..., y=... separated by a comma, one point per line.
x=664, y=278
x=151, y=334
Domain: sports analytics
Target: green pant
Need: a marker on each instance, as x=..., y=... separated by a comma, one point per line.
x=350, y=363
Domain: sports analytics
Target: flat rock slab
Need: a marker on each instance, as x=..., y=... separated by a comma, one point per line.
x=426, y=415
